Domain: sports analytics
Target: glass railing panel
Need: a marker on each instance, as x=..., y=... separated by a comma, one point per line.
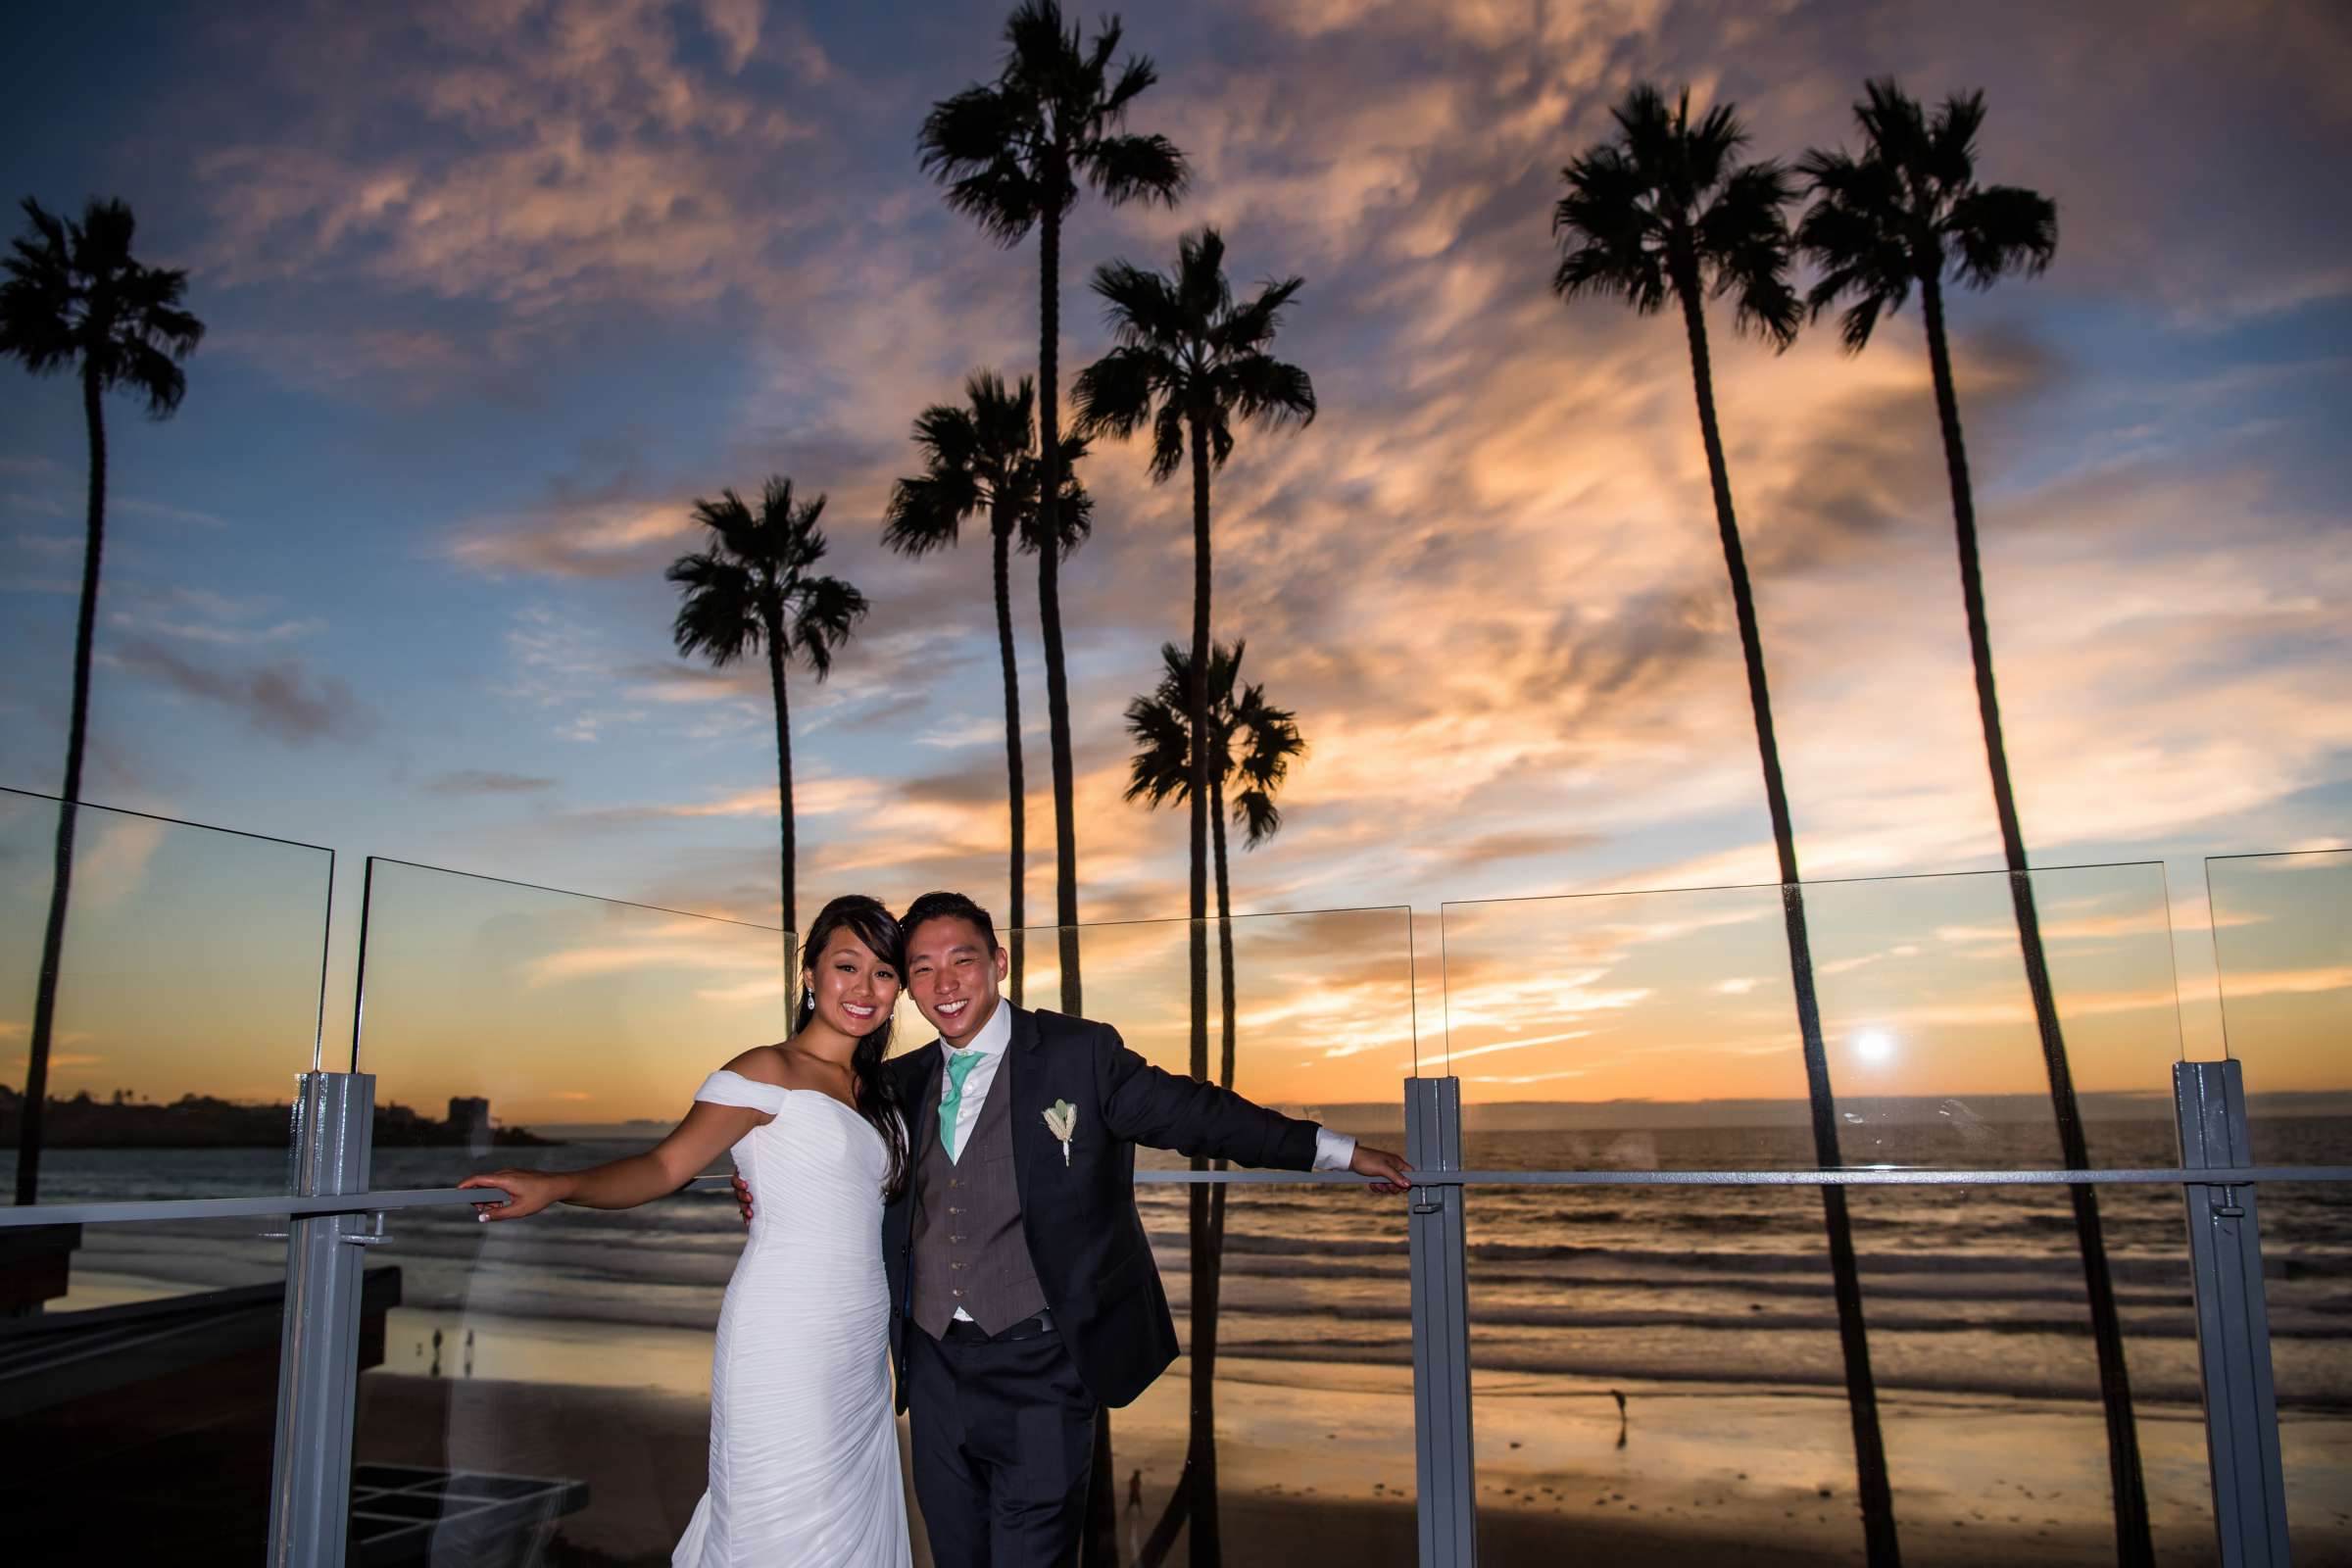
x=2282, y=947
x=2306, y=1264
x=1323, y=1000
x=154, y=1373
x=1641, y=1031
x=566, y=1358
x=559, y=1009
x=1655, y=1376
x=1935, y=1046
x=188, y=1000
x=1650, y=1030
x=1572, y=1022
x=1310, y=1393
x=1710, y=1312
x=187, y=1004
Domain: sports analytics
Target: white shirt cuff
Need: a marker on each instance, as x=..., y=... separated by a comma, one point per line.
x=1333, y=1151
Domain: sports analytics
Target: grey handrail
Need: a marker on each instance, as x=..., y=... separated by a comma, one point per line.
x=268, y=1204
x=1862, y=1176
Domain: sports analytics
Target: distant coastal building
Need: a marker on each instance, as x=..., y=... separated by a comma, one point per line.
x=469, y=1120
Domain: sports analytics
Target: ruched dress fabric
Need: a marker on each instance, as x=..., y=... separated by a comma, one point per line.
x=803, y=1447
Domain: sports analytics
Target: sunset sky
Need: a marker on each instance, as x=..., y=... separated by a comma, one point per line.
x=495, y=290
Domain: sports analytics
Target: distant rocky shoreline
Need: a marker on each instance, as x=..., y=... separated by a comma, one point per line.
x=199, y=1121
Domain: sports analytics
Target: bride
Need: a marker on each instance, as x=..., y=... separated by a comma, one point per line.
x=804, y=1449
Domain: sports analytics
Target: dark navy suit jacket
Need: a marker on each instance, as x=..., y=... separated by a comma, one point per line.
x=1086, y=1240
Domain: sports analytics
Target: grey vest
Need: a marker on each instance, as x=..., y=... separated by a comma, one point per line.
x=969, y=1250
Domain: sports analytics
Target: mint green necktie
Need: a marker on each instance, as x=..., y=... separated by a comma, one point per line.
x=960, y=1068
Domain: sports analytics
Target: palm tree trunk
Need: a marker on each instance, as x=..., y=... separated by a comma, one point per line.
x=1216, y=1194
x=1102, y=1536
x=2134, y=1546
x=1197, y=728
x=1015, y=786
x=1200, y=1458
x=775, y=677
x=1861, y=1388
x=1048, y=597
x=60, y=885
x=1216, y=802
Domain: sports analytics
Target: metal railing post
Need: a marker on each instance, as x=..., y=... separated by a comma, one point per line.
x=318, y=1368
x=1447, y=1493
x=2233, y=1324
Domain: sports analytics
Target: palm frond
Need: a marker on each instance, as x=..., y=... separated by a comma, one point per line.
x=1951, y=141
x=41, y=298
x=1259, y=817
x=718, y=617
x=973, y=145
x=1137, y=168
x=949, y=436
x=1168, y=439
x=728, y=517
x=1268, y=391
x=1199, y=287
x=926, y=513
x=1114, y=394
x=1853, y=232
x=1074, y=518
x=824, y=612
x=1161, y=769
x=1998, y=229
x=1249, y=326
x=1610, y=238
x=1742, y=241
x=1142, y=308
x=1138, y=74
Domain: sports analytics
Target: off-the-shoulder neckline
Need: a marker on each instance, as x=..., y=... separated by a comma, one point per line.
x=787, y=1089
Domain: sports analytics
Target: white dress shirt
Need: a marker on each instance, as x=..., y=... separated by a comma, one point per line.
x=1333, y=1151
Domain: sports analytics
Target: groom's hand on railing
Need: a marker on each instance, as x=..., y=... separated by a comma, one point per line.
x=743, y=1200
x=1389, y=1173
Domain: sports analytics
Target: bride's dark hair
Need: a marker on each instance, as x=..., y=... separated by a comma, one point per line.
x=870, y=923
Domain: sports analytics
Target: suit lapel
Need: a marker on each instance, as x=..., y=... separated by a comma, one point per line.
x=922, y=1100
x=1021, y=1078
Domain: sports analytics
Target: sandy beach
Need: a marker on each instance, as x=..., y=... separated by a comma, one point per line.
x=1319, y=1460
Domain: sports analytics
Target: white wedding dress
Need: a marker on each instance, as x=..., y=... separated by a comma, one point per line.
x=803, y=1447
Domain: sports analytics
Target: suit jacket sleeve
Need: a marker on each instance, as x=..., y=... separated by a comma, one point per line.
x=1161, y=1110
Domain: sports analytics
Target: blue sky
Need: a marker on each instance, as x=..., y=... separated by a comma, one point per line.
x=494, y=291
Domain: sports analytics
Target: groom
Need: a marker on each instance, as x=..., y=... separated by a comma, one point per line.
x=1023, y=1293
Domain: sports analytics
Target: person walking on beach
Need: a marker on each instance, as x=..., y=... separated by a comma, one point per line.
x=803, y=1445
x=1023, y=1294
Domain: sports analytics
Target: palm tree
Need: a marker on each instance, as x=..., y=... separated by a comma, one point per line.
x=1190, y=362
x=1903, y=214
x=76, y=299
x=1664, y=213
x=1012, y=154
x=756, y=587
x=1252, y=743
x=981, y=459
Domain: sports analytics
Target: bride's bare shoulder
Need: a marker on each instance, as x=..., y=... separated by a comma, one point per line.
x=761, y=1064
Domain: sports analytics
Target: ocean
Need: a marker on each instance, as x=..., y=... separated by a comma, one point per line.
x=1965, y=1290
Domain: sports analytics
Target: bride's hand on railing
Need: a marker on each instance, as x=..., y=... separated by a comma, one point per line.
x=529, y=1191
